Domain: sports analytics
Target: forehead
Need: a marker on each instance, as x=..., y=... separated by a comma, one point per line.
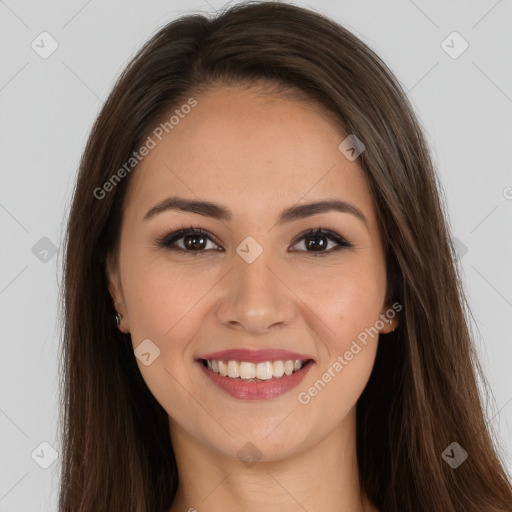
x=253, y=152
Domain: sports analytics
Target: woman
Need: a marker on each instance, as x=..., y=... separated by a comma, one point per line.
x=262, y=307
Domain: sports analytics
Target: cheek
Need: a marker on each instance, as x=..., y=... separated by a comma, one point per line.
x=161, y=295
x=164, y=308
x=347, y=301
x=348, y=306
x=349, y=311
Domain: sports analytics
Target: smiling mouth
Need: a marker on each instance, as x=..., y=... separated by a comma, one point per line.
x=244, y=371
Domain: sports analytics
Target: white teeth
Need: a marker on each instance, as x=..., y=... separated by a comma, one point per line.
x=223, y=368
x=278, y=369
x=233, y=369
x=263, y=371
x=247, y=370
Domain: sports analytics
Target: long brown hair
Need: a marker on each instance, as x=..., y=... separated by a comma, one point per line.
x=422, y=395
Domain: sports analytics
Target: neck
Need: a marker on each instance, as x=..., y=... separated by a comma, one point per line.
x=322, y=477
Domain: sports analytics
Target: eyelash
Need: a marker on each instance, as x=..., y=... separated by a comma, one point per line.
x=169, y=239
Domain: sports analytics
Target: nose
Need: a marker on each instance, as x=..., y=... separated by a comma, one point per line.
x=256, y=296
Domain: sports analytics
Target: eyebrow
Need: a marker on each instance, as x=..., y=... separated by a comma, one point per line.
x=216, y=211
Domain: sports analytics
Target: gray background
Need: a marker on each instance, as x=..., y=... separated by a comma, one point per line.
x=48, y=106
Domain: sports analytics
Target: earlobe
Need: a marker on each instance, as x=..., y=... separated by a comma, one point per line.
x=390, y=318
x=390, y=326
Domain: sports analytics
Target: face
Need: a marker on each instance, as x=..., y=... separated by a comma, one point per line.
x=253, y=281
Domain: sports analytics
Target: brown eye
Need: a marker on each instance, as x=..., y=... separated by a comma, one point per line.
x=195, y=241
x=317, y=241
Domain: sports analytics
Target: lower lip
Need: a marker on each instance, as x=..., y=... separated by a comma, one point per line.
x=263, y=390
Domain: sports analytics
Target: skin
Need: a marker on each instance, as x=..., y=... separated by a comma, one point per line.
x=256, y=154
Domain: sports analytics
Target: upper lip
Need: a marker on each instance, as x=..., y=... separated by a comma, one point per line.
x=255, y=356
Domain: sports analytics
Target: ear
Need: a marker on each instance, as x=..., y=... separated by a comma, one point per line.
x=390, y=316
x=116, y=291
